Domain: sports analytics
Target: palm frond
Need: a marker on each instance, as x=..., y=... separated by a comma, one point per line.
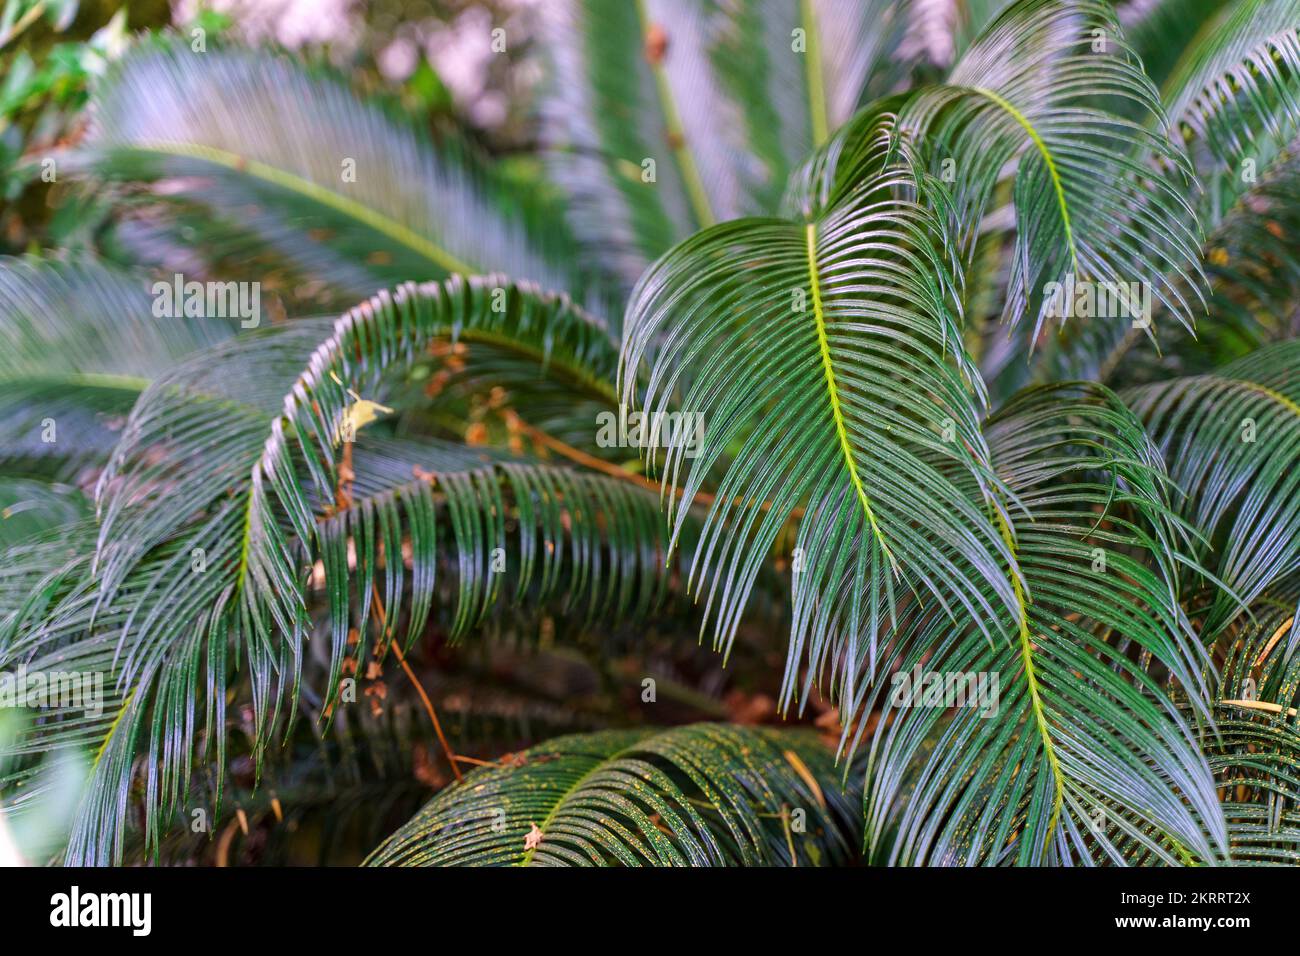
x=823, y=360
x=233, y=485
x=1232, y=441
x=1098, y=196
x=1051, y=744
x=1234, y=99
x=81, y=342
x=1237, y=88
x=352, y=194
x=700, y=795
x=1254, y=268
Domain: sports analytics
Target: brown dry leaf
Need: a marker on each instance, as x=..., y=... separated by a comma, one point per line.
x=425, y=768
x=1272, y=641
x=829, y=720
x=743, y=708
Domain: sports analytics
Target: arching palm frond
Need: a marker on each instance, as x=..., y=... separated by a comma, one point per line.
x=1253, y=260
x=1237, y=89
x=1060, y=748
x=1232, y=441
x=29, y=506
x=1253, y=263
x=823, y=361
x=291, y=159
x=647, y=81
x=1234, y=98
x=81, y=342
x=1097, y=196
x=700, y=795
x=233, y=480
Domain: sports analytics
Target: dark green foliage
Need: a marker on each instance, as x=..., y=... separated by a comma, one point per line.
x=304, y=556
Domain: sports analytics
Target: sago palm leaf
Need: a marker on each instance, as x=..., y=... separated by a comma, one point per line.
x=1232, y=441
x=823, y=358
x=1253, y=260
x=1050, y=744
x=700, y=795
x=232, y=480
x=80, y=342
x=1097, y=196
x=1237, y=89
x=354, y=195
x=1234, y=98
x=647, y=81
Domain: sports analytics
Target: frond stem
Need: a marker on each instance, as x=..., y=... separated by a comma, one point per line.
x=1028, y=127
x=395, y=645
x=813, y=73
x=676, y=135
x=833, y=389
x=1031, y=677
x=305, y=187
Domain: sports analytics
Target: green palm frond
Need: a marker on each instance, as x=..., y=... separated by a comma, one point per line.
x=1097, y=196
x=81, y=342
x=1234, y=98
x=646, y=82
x=1253, y=260
x=1237, y=88
x=824, y=361
x=232, y=481
x=352, y=194
x=31, y=506
x=700, y=795
x=1061, y=748
x=319, y=569
x=1232, y=441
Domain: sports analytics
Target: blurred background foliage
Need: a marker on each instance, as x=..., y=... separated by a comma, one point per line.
x=424, y=54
